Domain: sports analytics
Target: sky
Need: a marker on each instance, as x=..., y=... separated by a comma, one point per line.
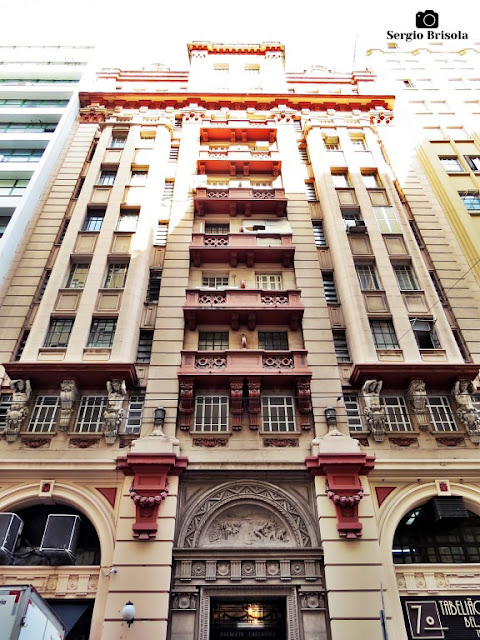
x=334, y=34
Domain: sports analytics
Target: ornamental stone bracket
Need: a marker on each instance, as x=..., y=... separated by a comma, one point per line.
x=343, y=486
x=150, y=486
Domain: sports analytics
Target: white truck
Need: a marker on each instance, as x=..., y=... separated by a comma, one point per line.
x=24, y=615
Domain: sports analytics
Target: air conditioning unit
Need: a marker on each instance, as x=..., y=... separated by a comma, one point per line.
x=11, y=527
x=60, y=538
x=358, y=227
x=445, y=508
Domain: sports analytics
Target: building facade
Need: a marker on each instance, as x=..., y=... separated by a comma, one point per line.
x=38, y=105
x=237, y=382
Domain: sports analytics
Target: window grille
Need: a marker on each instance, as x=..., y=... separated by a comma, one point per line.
x=441, y=413
x=90, y=414
x=405, y=277
x=273, y=340
x=211, y=413
x=102, y=332
x=269, y=281
x=367, y=277
x=329, y=288
x=154, y=284
x=383, y=334
x=133, y=420
x=145, y=342
x=212, y=340
x=44, y=414
x=354, y=414
x=59, y=332
x=341, y=346
x=397, y=414
x=278, y=414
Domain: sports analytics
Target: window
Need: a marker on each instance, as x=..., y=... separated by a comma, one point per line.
x=177, y=124
x=118, y=140
x=329, y=288
x=438, y=287
x=354, y=414
x=340, y=180
x=451, y=165
x=215, y=281
x=273, y=340
x=161, y=233
x=168, y=189
x=319, y=234
x=43, y=285
x=473, y=162
x=102, y=332
x=116, y=275
x=278, y=414
x=79, y=187
x=303, y=152
x=358, y=143
x=63, y=230
x=5, y=402
x=217, y=229
x=154, y=283
x=44, y=414
x=59, y=332
x=128, y=220
x=405, y=277
x=425, y=334
x=21, y=344
x=4, y=220
x=20, y=155
x=269, y=281
x=12, y=187
x=106, y=178
x=371, y=180
x=173, y=154
x=90, y=414
x=77, y=276
x=441, y=414
x=331, y=142
x=145, y=343
x=133, y=421
x=93, y=220
x=383, y=334
x=471, y=200
x=138, y=178
x=367, y=277
x=211, y=413
x=311, y=192
x=341, y=346
x=397, y=414
x=212, y=340
x=387, y=220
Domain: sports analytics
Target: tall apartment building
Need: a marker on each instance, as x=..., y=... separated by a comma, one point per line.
x=38, y=105
x=238, y=395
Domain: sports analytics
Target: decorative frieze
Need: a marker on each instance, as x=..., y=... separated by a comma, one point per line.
x=423, y=579
x=264, y=569
x=65, y=582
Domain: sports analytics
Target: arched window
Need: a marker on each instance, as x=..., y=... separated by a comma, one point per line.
x=424, y=536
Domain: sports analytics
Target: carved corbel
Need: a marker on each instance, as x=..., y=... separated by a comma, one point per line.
x=417, y=397
x=68, y=396
x=17, y=411
x=236, y=402
x=254, y=402
x=374, y=412
x=149, y=486
x=462, y=392
x=343, y=486
x=187, y=404
x=304, y=403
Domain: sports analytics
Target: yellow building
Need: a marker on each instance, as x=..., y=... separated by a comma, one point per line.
x=230, y=383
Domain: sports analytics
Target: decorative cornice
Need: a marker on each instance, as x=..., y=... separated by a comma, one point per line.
x=398, y=375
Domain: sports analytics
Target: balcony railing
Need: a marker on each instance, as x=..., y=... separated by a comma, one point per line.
x=242, y=248
x=243, y=307
x=245, y=362
x=239, y=162
x=240, y=200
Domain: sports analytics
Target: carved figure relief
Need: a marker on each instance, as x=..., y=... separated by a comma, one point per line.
x=246, y=526
x=374, y=412
x=113, y=413
x=17, y=412
x=462, y=392
x=68, y=395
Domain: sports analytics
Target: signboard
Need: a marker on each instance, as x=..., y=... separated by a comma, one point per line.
x=442, y=618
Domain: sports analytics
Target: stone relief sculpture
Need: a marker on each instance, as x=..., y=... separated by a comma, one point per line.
x=68, y=396
x=462, y=392
x=374, y=412
x=417, y=396
x=17, y=412
x=113, y=413
x=246, y=531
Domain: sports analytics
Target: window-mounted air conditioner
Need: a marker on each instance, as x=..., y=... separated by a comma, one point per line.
x=358, y=226
x=446, y=508
x=60, y=538
x=11, y=527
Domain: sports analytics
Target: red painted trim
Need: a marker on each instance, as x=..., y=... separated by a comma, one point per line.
x=109, y=494
x=383, y=493
x=149, y=486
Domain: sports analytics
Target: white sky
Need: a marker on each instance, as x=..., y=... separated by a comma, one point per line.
x=322, y=32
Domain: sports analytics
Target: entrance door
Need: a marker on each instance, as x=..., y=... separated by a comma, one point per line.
x=252, y=619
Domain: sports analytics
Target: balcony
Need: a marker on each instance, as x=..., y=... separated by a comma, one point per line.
x=233, y=130
x=247, y=307
x=240, y=200
x=239, y=162
x=246, y=362
x=242, y=248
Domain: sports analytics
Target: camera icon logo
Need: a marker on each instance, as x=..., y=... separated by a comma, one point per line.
x=426, y=19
